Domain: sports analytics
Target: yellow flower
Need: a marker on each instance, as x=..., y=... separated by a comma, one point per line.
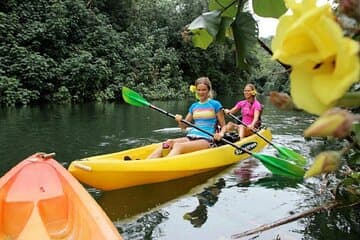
x=324, y=62
x=336, y=122
x=316, y=86
x=324, y=162
x=193, y=90
x=297, y=38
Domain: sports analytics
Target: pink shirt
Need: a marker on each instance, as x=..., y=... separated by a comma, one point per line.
x=248, y=110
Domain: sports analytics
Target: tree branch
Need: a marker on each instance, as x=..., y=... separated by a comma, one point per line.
x=268, y=50
x=277, y=223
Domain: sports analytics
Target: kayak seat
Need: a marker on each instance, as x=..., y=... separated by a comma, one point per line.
x=230, y=136
x=13, y=217
x=56, y=216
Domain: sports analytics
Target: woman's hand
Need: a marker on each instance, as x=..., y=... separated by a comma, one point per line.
x=226, y=111
x=252, y=127
x=218, y=136
x=178, y=117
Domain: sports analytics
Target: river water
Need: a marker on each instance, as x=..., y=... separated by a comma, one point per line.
x=214, y=205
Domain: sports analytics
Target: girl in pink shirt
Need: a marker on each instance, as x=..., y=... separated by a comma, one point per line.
x=250, y=112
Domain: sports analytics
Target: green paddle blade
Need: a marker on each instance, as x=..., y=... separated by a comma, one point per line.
x=291, y=155
x=133, y=98
x=280, y=166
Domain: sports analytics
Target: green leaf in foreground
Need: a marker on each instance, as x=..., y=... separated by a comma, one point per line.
x=269, y=8
x=228, y=8
x=205, y=28
x=245, y=32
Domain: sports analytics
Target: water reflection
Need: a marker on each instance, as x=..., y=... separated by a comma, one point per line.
x=278, y=182
x=144, y=227
x=245, y=172
x=207, y=198
x=247, y=176
x=339, y=224
x=125, y=203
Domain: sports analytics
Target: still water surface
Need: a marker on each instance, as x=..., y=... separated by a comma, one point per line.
x=213, y=205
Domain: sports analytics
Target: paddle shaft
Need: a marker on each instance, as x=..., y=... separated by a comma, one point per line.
x=242, y=123
x=202, y=130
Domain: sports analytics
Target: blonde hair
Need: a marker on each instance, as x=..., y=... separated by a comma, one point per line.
x=206, y=81
x=252, y=86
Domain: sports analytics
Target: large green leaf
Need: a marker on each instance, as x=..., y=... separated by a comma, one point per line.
x=205, y=28
x=269, y=8
x=227, y=7
x=224, y=29
x=245, y=31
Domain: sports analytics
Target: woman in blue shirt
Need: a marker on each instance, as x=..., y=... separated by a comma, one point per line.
x=206, y=114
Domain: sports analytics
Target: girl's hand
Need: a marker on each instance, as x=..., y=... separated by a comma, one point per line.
x=178, y=118
x=252, y=127
x=226, y=111
x=218, y=136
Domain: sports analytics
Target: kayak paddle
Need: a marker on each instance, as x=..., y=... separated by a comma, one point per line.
x=275, y=165
x=284, y=152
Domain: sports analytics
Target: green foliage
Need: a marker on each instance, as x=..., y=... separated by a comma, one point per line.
x=227, y=19
x=228, y=8
x=245, y=33
x=354, y=160
x=118, y=12
x=205, y=29
x=75, y=50
x=62, y=95
x=348, y=190
x=13, y=94
x=269, y=8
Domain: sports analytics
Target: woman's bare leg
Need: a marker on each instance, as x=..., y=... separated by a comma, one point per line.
x=158, y=151
x=188, y=146
x=242, y=131
x=230, y=126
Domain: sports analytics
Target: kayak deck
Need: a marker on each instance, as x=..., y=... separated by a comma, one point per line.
x=41, y=200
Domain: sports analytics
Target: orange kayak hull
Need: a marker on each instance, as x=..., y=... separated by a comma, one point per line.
x=40, y=199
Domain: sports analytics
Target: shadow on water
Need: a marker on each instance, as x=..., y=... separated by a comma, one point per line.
x=126, y=203
x=207, y=198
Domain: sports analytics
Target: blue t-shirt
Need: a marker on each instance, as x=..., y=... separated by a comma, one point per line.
x=204, y=116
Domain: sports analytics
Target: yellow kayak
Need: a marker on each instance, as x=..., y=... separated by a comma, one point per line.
x=111, y=171
x=41, y=200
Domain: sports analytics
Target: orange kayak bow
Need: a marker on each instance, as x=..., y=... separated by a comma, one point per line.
x=40, y=199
